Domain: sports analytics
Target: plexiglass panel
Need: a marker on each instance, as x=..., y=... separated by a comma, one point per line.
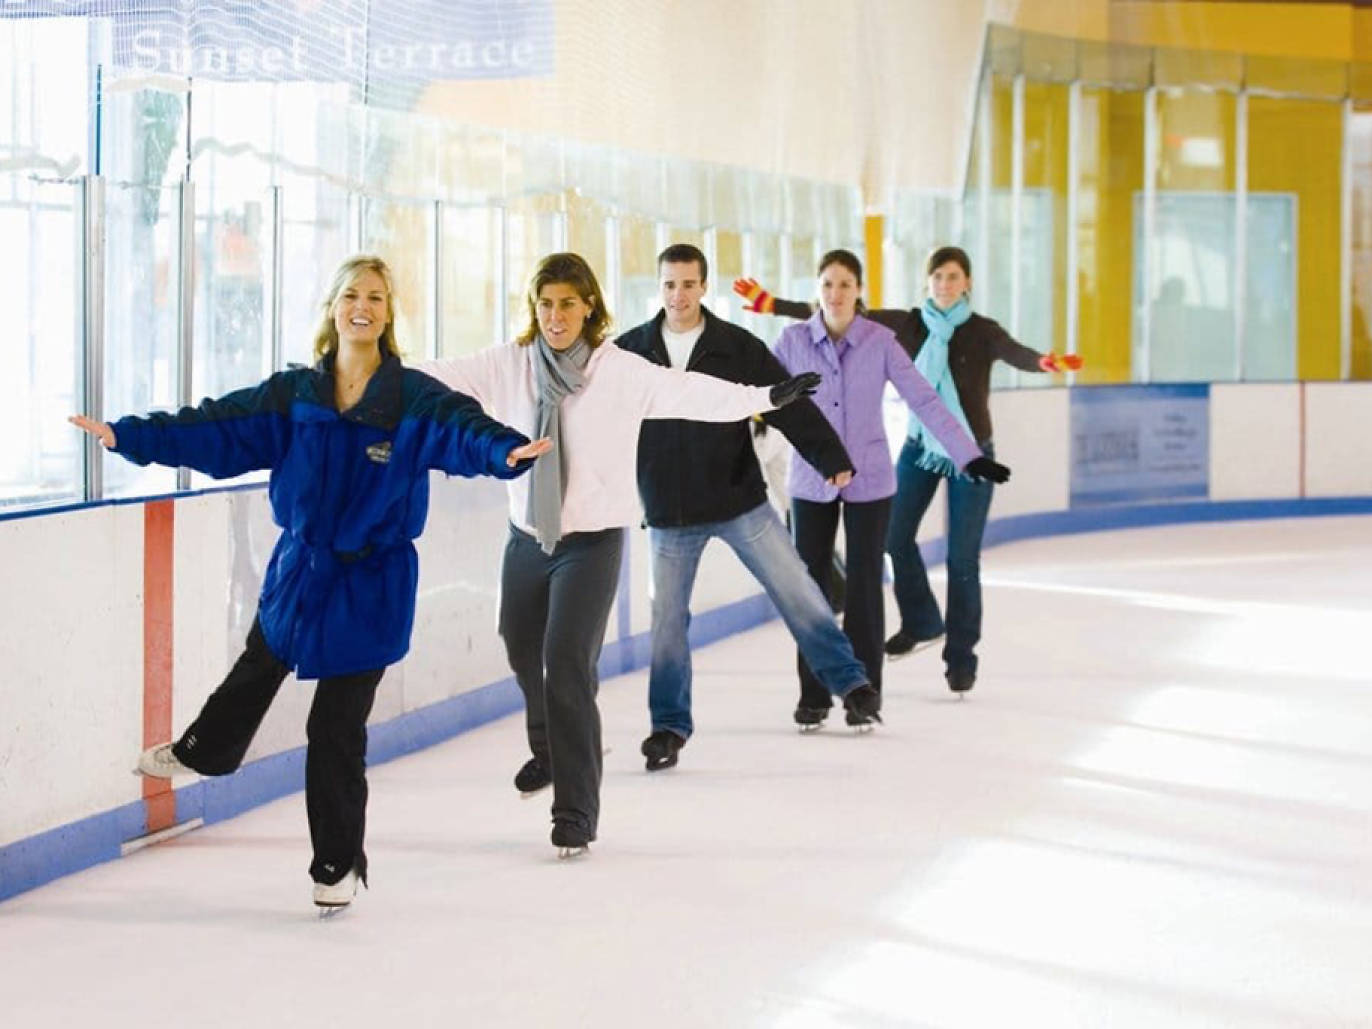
x=40, y=459
x=471, y=280
x=143, y=252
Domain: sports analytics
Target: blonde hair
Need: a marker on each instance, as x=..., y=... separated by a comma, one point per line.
x=326, y=336
x=570, y=270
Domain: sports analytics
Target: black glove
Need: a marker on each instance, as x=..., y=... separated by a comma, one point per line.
x=985, y=468
x=797, y=386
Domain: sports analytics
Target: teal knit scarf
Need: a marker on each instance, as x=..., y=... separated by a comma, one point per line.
x=932, y=363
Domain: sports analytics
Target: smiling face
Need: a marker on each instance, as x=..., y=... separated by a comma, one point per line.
x=362, y=309
x=948, y=284
x=683, y=287
x=561, y=313
x=838, y=293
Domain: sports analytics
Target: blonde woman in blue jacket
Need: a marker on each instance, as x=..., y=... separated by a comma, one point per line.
x=350, y=443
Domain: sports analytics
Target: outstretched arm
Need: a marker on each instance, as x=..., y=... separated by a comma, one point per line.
x=457, y=437
x=759, y=301
x=923, y=400
x=243, y=431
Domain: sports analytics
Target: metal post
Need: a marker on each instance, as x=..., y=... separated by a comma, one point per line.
x=503, y=274
x=783, y=286
x=1240, y=231
x=433, y=343
x=612, y=264
x=1016, y=208
x=185, y=310
x=1072, y=315
x=1345, y=244
x=277, y=278
x=92, y=199
x=1143, y=357
x=984, y=166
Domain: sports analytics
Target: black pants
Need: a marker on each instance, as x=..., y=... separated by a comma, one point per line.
x=553, y=612
x=864, y=614
x=335, y=758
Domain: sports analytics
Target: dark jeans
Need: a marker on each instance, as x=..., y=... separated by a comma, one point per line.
x=864, y=616
x=968, y=504
x=335, y=755
x=553, y=612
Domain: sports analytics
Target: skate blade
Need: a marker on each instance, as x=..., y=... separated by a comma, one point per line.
x=922, y=645
x=526, y=794
x=327, y=911
x=567, y=853
x=863, y=729
x=806, y=730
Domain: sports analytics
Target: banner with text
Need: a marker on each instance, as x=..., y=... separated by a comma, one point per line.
x=1133, y=444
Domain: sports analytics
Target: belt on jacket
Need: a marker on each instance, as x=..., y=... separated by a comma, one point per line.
x=347, y=557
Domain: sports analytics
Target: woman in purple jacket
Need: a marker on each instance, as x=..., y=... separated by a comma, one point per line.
x=856, y=358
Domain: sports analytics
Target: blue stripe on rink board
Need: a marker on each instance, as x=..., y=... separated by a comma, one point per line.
x=38, y=859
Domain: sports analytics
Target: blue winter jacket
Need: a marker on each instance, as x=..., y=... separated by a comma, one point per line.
x=350, y=491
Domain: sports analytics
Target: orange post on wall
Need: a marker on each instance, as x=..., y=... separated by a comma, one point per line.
x=158, y=538
x=873, y=232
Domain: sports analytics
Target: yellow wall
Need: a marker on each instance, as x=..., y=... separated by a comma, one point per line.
x=1318, y=30
x=1111, y=165
x=1293, y=147
x=1074, y=19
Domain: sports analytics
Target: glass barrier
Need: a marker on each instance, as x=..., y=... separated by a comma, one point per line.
x=41, y=457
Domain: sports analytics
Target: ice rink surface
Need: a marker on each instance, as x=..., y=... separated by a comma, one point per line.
x=1155, y=809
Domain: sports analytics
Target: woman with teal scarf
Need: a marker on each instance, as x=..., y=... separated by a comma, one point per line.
x=954, y=348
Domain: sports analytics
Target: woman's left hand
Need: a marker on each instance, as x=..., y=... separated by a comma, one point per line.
x=841, y=479
x=529, y=451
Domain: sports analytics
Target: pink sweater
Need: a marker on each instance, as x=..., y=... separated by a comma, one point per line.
x=599, y=422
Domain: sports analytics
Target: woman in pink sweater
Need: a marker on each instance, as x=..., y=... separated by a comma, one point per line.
x=561, y=564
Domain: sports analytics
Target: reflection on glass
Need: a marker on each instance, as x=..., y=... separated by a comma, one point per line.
x=1193, y=334
x=638, y=292
x=533, y=229
x=142, y=246
x=728, y=266
x=762, y=255
x=314, y=242
x=40, y=461
x=471, y=280
x=400, y=233
x=586, y=220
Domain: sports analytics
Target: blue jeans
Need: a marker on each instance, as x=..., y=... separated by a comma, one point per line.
x=762, y=544
x=968, y=504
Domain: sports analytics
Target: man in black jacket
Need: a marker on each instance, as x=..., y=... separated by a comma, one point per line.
x=700, y=480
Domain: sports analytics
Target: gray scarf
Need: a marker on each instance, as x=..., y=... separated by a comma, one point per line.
x=556, y=375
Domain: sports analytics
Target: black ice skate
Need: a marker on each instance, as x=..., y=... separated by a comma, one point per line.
x=661, y=749
x=532, y=778
x=862, y=708
x=960, y=680
x=571, y=839
x=902, y=644
x=810, y=719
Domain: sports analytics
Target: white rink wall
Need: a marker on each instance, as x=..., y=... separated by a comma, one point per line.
x=71, y=710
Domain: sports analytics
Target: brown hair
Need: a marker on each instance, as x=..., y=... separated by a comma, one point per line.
x=684, y=253
x=569, y=270
x=326, y=335
x=845, y=258
x=943, y=255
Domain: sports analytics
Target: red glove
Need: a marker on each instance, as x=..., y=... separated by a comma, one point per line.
x=754, y=296
x=1051, y=362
